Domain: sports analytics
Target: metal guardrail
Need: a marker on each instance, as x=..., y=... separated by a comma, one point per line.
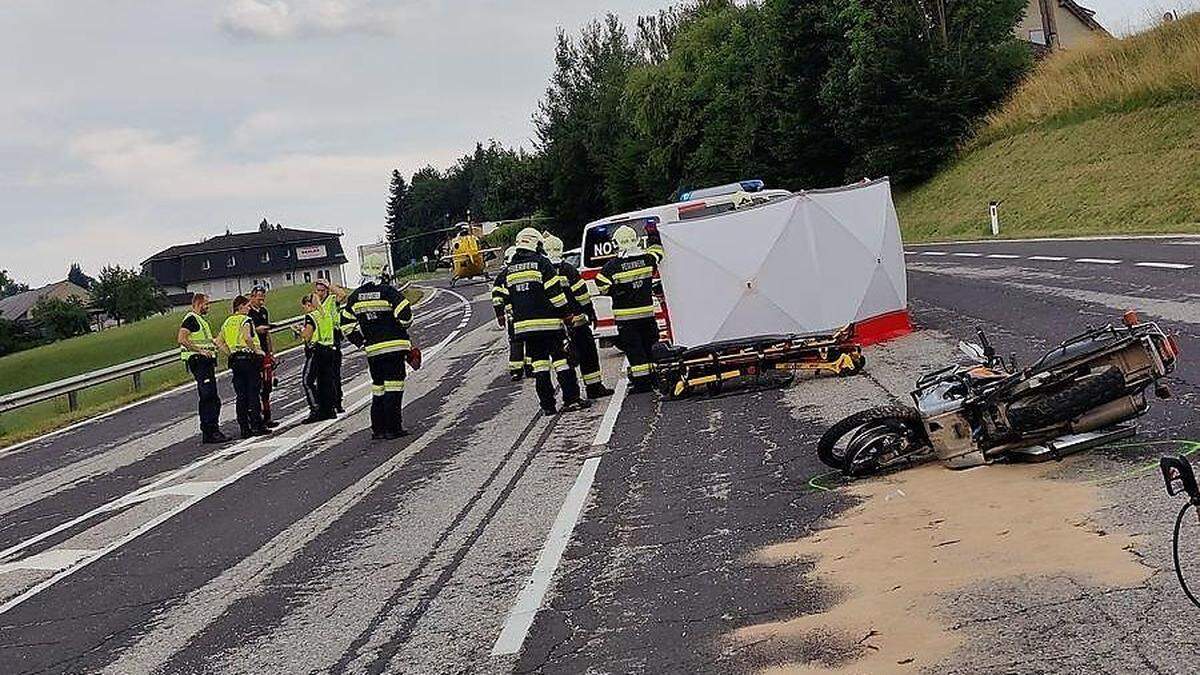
x=71, y=386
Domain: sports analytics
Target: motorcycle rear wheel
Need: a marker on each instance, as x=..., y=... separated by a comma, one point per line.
x=1085, y=393
x=885, y=445
x=832, y=452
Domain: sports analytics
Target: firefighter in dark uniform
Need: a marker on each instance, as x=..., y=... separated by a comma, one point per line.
x=532, y=289
x=518, y=362
x=198, y=349
x=584, y=317
x=245, y=363
x=382, y=315
x=629, y=280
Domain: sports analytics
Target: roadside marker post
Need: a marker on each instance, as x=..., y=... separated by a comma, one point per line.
x=994, y=212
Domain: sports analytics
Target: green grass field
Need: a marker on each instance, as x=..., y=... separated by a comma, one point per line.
x=1100, y=140
x=117, y=345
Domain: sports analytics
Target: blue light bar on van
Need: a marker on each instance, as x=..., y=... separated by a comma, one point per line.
x=742, y=186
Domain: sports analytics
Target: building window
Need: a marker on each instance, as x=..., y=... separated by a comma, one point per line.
x=308, y=277
x=287, y=276
x=232, y=262
x=206, y=265
x=264, y=257
x=1037, y=36
x=323, y=274
x=287, y=253
x=229, y=285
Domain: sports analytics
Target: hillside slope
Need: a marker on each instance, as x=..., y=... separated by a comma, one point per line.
x=1101, y=140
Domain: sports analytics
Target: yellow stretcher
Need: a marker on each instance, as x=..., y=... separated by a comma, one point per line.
x=681, y=371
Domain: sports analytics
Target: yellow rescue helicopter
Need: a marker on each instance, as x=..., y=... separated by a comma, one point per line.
x=465, y=254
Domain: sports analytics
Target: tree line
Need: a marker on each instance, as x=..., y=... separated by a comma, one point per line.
x=800, y=93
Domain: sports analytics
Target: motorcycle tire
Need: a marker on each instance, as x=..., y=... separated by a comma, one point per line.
x=834, y=457
x=1087, y=392
x=885, y=445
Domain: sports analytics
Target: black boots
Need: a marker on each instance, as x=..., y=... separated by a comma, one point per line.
x=214, y=437
x=598, y=390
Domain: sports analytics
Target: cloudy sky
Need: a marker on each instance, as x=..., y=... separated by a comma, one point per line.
x=131, y=125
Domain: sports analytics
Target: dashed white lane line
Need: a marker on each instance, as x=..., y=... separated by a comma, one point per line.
x=1098, y=261
x=1050, y=258
x=1165, y=265
x=1004, y=256
x=281, y=445
x=935, y=253
x=533, y=593
x=968, y=254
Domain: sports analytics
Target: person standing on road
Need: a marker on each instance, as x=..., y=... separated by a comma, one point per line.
x=532, y=289
x=330, y=296
x=245, y=361
x=517, y=361
x=317, y=378
x=199, y=353
x=262, y=328
x=383, y=316
x=579, y=300
x=629, y=280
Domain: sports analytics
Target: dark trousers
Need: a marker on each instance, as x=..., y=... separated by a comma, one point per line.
x=546, y=350
x=336, y=364
x=387, y=392
x=586, y=355
x=636, y=338
x=516, y=352
x=318, y=380
x=268, y=385
x=204, y=370
x=247, y=383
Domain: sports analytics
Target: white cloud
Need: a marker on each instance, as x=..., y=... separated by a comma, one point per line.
x=283, y=19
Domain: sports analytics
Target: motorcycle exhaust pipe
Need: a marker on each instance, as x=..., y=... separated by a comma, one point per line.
x=1114, y=412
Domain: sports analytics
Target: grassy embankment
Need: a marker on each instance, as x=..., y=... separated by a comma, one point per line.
x=1103, y=139
x=117, y=345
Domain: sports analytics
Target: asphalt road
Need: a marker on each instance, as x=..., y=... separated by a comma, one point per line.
x=128, y=547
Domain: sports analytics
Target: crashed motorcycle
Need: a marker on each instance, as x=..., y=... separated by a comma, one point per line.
x=1074, y=397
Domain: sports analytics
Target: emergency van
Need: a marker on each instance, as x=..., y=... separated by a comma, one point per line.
x=598, y=246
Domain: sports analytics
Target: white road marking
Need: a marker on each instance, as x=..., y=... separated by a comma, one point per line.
x=1098, y=261
x=1165, y=265
x=609, y=421
x=529, y=601
x=968, y=254
x=285, y=445
x=1051, y=258
x=48, y=561
x=1005, y=256
x=935, y=253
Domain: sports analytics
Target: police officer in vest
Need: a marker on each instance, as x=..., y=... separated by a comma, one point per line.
x=199, y=353
x=580, y=329
x=629, y=280
x=383, y=316
x=331, y=296
x=319, y=354
x=237, y=339
x=532, y=289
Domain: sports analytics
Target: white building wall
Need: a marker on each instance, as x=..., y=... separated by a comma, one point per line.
x=228, y=287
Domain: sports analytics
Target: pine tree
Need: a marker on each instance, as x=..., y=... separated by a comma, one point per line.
x=397, y=206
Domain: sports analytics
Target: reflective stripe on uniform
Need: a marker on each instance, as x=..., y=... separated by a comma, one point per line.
x=530, y=325
x=602, y=283
x=657, y=252
x=561, y=365
x=542, y=366
x=553, y=280
x=633, y=313
x=400, y=308
x=388, y=346
x=634, y=274
x=559, y=300
x=393, y=386
x=516, y=365
x=640, y=370
x=520, y=277
x=591, y=378
x=371, y=306
x=377, y=390
x=203, y=339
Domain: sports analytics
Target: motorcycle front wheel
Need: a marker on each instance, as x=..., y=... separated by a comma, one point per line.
x=883, y=446
x=832, y=447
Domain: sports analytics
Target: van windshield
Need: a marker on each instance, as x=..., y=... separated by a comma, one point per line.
x=598, y=245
